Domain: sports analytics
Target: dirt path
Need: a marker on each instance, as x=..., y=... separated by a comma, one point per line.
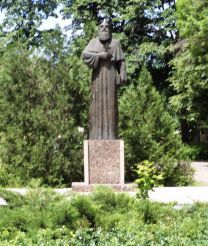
x=201, y=173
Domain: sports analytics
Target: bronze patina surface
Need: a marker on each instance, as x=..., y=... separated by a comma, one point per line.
x=105, y=57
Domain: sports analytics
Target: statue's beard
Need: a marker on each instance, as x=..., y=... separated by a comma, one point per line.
x=104, y=36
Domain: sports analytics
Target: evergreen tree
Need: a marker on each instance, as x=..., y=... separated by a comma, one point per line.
x=150, y=133
x=39, y=134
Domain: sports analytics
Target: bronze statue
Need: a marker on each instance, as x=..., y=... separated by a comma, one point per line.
x=105, y=56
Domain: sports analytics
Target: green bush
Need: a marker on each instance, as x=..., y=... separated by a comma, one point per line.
x=4, y=176
x=46, y=237
x=99, y=237
x=201, y=151
x=102, y=218
x=39, y=135
x=108, y=200
x=150, y=132
x=13, y=199
x=147, y=178
x=86, y=208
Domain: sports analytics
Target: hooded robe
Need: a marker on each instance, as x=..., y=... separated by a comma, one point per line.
x=103, y=113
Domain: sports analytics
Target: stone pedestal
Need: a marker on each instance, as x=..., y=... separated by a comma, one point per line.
x=103, y=165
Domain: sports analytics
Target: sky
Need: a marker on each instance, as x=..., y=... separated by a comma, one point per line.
x=51, y=22
x=1, y=16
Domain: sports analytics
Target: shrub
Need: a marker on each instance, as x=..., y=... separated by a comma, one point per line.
x=86, y=220
x=149, y=130
x=99, y=237
x=4, y=177
x=86, y=209
x=38, y=128
x=147, y=178
x=14, y=200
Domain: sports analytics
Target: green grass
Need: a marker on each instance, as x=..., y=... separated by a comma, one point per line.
x=42, y=217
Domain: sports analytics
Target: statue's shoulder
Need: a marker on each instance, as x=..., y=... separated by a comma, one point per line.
x=93, y=40
x=115, y=41
x=93, y=43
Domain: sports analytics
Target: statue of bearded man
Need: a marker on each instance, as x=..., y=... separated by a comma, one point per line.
x=105, y=56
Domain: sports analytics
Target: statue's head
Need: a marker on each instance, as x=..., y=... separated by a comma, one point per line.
x=104, y=31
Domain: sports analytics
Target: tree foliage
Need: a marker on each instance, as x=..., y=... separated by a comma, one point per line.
x=24, y=17
x=189, y=78
x=144, y=27
x=150, y=132
x=44, y=85
x=39, y=132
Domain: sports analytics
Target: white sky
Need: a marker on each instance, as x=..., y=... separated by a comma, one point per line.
x=51, y=22
x=1, y=16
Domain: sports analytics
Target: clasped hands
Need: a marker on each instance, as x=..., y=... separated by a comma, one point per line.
x=105, y=55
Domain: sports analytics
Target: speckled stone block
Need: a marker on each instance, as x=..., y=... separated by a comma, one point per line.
x=103, y=165
x=105, y=161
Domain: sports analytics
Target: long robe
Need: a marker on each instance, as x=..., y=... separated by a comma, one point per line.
x=103, y=113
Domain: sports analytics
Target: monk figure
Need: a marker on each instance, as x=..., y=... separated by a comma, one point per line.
x=105, y=56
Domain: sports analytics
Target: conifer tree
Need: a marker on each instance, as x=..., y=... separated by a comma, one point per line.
x=151, y=133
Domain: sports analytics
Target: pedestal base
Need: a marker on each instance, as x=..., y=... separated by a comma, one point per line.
x=103, y=166
x=82, y=187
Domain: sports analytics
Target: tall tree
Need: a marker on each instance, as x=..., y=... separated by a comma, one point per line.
x=190, y=76
x=145, y=28
x=43, y=98
x=24, y=17
x=39, y=134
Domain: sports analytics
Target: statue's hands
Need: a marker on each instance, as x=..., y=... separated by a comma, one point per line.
x=123, y=73
x=109, y=56
x=105, y=55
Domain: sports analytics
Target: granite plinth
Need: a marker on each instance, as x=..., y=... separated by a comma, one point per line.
x=105, y=161
x=103, y=165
